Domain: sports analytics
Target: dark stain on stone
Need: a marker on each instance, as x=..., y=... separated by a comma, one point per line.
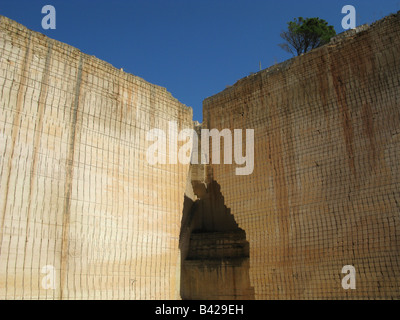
x=69, y=179
x=17, y=122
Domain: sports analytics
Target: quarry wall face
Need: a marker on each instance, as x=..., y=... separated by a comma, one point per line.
x=82, y=213
x=325, y=191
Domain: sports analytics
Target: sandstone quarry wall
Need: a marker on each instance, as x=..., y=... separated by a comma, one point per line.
x=76, y=191
x=325, y=191
x=80, y=203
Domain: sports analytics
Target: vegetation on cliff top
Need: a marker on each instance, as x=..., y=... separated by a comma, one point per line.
x=304, y=35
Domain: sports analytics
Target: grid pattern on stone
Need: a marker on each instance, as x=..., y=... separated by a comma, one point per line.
x=325, y=191
x=76, y=191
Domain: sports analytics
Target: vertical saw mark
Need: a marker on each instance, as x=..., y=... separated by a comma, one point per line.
x=37, y=137
x=15, y=127
x=69, y=167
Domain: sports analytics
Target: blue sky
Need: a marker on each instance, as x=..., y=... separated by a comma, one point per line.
x=194, y=48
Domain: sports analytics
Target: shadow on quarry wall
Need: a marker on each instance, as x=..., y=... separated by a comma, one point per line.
x=214, y=250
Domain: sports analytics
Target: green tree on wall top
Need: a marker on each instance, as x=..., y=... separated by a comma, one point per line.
x=304, y=35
